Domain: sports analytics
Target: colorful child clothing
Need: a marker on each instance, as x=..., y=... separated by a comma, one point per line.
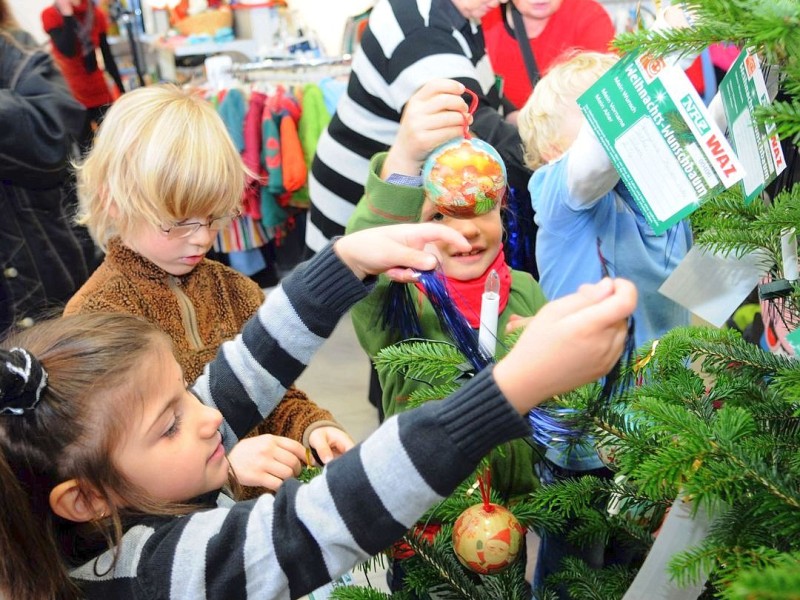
x=383, y=204
x=198, y=311
x=306, y=535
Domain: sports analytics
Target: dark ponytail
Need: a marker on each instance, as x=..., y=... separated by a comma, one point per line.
x=64, y=392
x=30, y=565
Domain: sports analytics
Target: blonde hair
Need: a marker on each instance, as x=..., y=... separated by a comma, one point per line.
x=7, y=20
x=161, y=155
x=541, y=120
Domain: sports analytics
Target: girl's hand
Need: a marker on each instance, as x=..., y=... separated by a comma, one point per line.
x=571, y=341
x=329, y=442
x=65, y=7
x=267, y=460
x=435, y=114
x=395, y=249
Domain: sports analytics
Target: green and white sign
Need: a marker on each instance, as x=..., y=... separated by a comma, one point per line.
x=660, y=137
x=756, y=144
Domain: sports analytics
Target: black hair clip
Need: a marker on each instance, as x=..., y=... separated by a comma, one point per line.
x=22, y=379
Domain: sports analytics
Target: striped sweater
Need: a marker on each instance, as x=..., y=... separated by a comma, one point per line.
x=405, y=44
x=287, y=545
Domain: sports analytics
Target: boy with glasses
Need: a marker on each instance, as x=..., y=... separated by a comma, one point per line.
x=163, y=177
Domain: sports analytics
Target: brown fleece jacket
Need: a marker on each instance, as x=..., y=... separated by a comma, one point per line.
x=198, y=311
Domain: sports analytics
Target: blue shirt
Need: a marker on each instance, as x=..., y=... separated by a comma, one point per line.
x=567, y=254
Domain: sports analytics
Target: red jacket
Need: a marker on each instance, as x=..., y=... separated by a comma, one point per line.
x=582, y=24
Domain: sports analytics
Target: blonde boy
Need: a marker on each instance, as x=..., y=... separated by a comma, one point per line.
x=587, y=217
x=162, y=178
x=583, y=210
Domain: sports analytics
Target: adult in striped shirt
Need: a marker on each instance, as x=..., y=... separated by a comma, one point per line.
x=406, y=43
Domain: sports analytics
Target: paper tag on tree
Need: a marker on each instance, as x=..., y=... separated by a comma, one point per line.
x=661, y=138
x=756, y=144
x=712, y=286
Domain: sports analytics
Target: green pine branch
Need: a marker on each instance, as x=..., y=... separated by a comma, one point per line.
x=586, y=583
x=777, y=581
x=424, y=360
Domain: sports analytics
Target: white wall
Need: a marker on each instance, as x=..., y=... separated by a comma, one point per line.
x=28, y=14
x=327, y=19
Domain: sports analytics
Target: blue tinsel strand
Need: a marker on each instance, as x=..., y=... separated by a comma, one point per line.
x=452, y=321
x=399, y=313
x=551, y=424
x=520, y=230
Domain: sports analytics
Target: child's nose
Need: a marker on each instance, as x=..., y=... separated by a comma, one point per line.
x=465, y=227
x=203, y=236
x=210, y=421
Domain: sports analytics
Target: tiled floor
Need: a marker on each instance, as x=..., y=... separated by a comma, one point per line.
x=337, y=379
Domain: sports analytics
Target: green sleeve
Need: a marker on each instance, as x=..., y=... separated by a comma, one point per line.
x=382, y=204
x=385, y=203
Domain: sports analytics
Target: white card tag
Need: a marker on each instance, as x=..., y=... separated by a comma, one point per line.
x=712, y=286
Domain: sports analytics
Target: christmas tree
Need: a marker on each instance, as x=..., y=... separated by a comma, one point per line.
x=713, y=420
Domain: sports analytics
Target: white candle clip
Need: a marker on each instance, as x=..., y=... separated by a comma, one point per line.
x=490, y=307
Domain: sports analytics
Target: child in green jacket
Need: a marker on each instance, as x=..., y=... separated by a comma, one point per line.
x=393, y=194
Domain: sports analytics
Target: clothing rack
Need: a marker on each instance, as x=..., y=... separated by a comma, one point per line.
x=293, y=67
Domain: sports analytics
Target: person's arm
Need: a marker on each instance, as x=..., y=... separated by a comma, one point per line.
x=590, y=172
x=445, y=59
x=435, y=114
x=309, y=534
x=383, y=203
x=39, y=114
x=252, y=372
x=60, y=24
x=110, y=63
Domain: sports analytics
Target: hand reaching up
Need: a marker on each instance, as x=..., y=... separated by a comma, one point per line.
x=394, y=249
x=435, y=114
x=571, y=341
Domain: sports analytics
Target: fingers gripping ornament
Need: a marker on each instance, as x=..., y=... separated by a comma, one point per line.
x=465, y=177
x=487, y=538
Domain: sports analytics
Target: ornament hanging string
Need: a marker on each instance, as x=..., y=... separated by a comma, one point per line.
x=485, y=486
x=473, y=106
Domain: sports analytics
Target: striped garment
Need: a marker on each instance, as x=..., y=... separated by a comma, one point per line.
x=405, y=44
x=287, y=545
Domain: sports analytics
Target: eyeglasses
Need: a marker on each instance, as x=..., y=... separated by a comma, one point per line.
x=182, y=230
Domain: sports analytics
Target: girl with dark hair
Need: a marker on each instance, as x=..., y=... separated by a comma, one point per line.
x=112, y=469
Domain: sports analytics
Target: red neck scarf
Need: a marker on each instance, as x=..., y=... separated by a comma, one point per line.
x=466, y=295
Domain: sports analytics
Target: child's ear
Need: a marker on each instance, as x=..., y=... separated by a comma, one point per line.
x=113, y=209
x=70, y=501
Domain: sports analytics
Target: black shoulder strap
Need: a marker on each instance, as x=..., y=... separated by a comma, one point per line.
x=524, y=44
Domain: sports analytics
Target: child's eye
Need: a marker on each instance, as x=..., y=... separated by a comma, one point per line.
x=437, y=217
x=174, y=428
